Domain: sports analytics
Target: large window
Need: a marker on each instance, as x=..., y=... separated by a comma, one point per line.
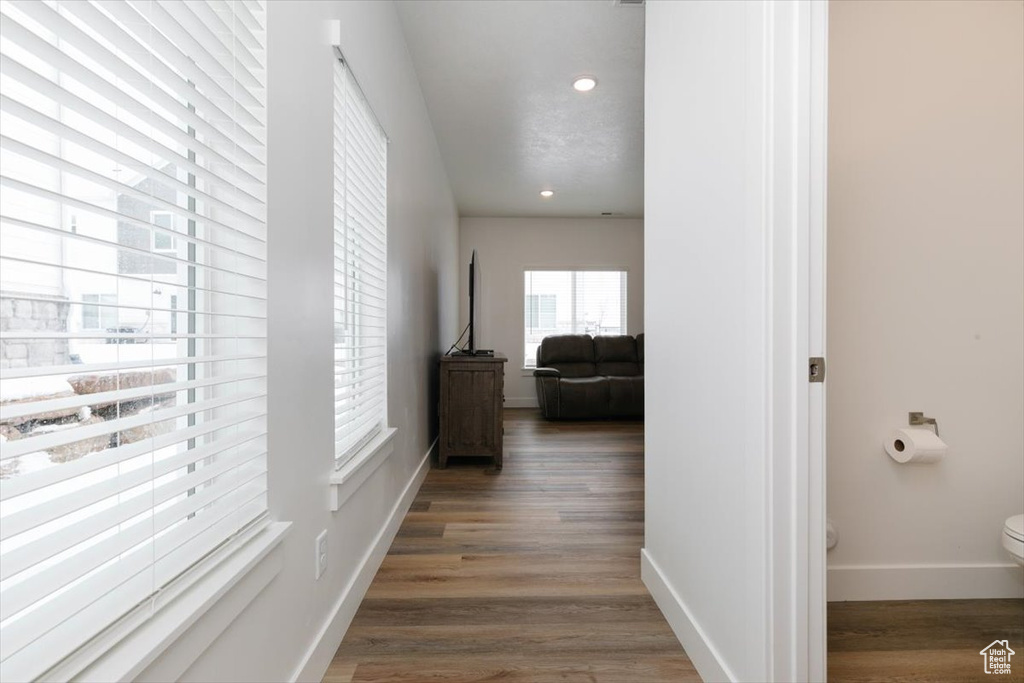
x=132, y=311
x=360, y=268
x=571, y=302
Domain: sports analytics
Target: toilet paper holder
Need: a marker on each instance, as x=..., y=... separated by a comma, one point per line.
x=917, y=419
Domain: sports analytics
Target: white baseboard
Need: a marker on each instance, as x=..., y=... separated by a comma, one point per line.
x=925, y=582
x=521, y=402
x=314, y=664
x=701, y=652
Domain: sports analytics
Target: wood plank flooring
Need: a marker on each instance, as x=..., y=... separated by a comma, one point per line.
x=921, y=640
x=531, y=574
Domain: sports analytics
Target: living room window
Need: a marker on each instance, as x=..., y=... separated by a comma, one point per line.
x=591, y=301
x=130, y=451
x=360, y=268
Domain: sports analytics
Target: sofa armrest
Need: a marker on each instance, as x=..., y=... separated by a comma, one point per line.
x=546, y=372
x=549, y=393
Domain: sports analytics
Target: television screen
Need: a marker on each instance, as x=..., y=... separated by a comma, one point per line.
x=474, y=302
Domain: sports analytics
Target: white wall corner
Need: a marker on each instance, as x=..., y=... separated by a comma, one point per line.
x=706, y=659
x=318, y=657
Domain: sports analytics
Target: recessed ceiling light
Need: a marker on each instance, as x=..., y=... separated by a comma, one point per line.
x=584, y=83
x=547, y=193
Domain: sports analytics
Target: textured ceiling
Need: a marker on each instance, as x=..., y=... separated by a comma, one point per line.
x=497, y=78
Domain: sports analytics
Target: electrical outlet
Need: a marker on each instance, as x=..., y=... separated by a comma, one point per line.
x=321, y=553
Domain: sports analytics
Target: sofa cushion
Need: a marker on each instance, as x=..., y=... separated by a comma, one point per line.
x=570, y=354
x=616, y=356
x=626, y=396
x=583, y=397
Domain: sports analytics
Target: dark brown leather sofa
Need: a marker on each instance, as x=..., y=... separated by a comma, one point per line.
x=583, y=377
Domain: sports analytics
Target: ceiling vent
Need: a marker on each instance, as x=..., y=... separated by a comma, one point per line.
x=630, y=3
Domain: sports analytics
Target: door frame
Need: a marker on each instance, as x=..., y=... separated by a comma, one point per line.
x=795, y=118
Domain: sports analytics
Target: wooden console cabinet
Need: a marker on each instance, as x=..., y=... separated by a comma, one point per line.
x=471, y=406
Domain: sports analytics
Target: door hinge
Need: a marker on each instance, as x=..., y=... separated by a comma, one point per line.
x=816, y=369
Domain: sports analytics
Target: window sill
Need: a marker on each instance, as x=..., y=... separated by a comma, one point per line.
x=352, y=474
x=527, y=372
x=130, y=655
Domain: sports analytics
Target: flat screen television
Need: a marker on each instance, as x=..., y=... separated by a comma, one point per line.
x=474, y=310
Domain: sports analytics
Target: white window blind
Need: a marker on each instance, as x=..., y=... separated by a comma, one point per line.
x=132, y=309
x=360, y=268
x=571, y=302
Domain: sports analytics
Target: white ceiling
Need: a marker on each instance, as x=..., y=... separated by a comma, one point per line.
x=497, y=77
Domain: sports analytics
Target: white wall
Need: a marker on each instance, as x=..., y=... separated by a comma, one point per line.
x=508, y=246
x=275, y=638
x=926, y=293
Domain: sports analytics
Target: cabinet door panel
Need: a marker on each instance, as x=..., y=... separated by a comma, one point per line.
x=472, y=416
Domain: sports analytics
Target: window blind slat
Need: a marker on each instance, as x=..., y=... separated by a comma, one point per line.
x=49, y=195
x=40, y=514
x=36, y=624
x=157, y=363
x=161, y=179
x=177, y=58
x=89, y=558
x=14, y=449
x=43, y=13
x=114, y=126
x=206, y=43
x=162, y=73
x=12, y=411
x=371, y=373
x=248, y=282
x=125, y=191
x=69, y=471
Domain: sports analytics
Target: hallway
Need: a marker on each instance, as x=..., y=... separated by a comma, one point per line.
x=532, y=574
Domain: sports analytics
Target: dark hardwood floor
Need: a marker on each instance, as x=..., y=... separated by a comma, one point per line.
x=531, y=574
x=921, y=640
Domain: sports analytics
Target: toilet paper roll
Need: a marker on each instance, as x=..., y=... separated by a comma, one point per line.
x=915, y=444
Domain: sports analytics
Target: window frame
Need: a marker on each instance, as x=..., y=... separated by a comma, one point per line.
x=101, y=303
x=154, y=235
x=574, y=270
x=360, y=284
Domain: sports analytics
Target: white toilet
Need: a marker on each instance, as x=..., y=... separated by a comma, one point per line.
x=1013, y=537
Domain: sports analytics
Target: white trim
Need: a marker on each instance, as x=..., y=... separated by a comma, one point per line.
x=925, y=582
x=347, y=480
x=521, y=402
x=318, y=657
x=175, y=620
x=706, y=659
x=815, y=548
x=794, y=167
